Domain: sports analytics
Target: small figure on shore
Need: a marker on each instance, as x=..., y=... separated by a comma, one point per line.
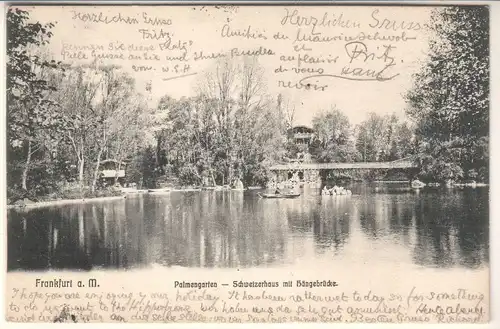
x=238, y=184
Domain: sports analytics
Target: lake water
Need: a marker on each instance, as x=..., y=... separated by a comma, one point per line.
x=386, y=224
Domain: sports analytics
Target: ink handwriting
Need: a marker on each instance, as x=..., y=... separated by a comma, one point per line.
x=250, y=305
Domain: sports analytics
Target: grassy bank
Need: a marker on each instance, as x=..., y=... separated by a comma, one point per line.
x=18, y=198
x=50, y=203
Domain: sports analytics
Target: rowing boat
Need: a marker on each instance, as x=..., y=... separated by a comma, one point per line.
x=159, y=190
x=187, y=190
x=255, y=187
x=417, y=184
x=278, y=196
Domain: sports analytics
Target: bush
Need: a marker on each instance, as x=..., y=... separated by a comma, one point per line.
x=15, y=193
x=441, y=171
x=188, y=175
x=484, y=174
x=110, y=191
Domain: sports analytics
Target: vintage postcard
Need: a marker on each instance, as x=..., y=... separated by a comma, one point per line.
x=248, y=164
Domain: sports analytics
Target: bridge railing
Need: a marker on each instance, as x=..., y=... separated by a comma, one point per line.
x=353, y=165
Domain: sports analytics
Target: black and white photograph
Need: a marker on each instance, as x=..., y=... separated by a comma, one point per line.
x=281, y=163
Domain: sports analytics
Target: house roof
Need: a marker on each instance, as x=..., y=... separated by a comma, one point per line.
x=113, y=161
x=302, y=127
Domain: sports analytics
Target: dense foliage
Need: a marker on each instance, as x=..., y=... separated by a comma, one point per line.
x=62, y=119
x=333, y=138
x=384, y=139
x=30, y=113
x=450, y=99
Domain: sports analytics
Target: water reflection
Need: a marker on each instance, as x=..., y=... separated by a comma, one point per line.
x=455, y=232
x=235, y=229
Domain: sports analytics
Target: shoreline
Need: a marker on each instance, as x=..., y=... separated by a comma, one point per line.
x=65, y=201
x=61, y=202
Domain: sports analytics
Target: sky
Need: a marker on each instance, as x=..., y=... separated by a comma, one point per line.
x=307, y=35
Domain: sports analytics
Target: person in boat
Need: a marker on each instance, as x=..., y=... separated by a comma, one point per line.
x=417, y=184
x=278, y=190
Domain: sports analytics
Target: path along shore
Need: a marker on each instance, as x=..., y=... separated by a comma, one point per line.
x=64, y=201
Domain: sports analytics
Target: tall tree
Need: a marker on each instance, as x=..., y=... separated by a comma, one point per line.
x=117, y=91
x=403, y=142
x=243, y=114
x=127, y=137
x=383, y=138
x=450, y=97
x=370, y=141
x=78, y=95
x=29, y=111
x=333, y=140
x=230, y=130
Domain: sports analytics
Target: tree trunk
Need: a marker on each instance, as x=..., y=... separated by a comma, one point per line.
x=24, y=177
x=213, y=178
x=81, y=170
x=159, y=142
x=232, y=160
x=96, y=170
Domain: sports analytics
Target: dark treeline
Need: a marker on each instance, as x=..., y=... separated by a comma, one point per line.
x=378, y=138
x=64, y=120
x=450, y=99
